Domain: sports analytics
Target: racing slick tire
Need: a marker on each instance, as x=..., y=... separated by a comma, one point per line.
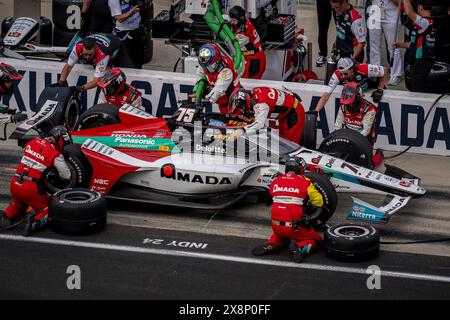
x=99, y=115
x=351, y=242
x=349, y=145
x=309, y=135
x=318, y=216
x=77, y=212
x=437, y=81
x=80, y=169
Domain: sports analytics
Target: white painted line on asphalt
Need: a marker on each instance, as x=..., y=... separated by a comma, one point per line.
x=178, y=253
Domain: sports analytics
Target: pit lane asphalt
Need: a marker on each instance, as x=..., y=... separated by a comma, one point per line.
x=39, y=269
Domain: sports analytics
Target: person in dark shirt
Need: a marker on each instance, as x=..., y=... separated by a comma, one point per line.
x=96, y=17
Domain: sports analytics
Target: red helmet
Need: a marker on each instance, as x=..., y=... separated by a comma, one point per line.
x=240, y=103
x=351, y=96
x=8, y=74
x=113, y=82
x=209, y=57
x=60, y=137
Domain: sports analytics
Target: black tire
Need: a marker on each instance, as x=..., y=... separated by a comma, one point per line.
x=352, y=242
x=62, y=38
x=318, y=216
x=99, y=115
x=309, y=135
x=60, y=15
x=6, y=25
x=72, y=113
x=77, y=212
x=45, y=31
x=438, y=80
x=80, y=169
x=349, y=145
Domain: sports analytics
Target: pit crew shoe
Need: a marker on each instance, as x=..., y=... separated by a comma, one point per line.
x=5, y=222
x=297, y=255
x=32, y=226
x=263, y=249
x=321, y=60
x=393, y=81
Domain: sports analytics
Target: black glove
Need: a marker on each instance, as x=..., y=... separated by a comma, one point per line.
x=18, y=117
x=377, y=95
x=59, y=84
x=77, y=89
x=10, y=111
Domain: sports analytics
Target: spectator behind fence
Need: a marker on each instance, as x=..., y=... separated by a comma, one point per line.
x=420, y=51
x=96, y=17
x=127, y=27
x=350, y=30
x=323, y=19
x=384, y=19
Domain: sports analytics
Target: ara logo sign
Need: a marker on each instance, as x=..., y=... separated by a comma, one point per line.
x=169, y=171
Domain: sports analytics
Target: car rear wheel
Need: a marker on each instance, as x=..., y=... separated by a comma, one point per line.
x=100, y=115
x=309, y=135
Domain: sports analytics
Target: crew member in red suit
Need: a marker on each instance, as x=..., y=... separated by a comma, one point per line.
x=218, y=74
x=358, y=114
x=248, y=37
x=263, y=103
x=290, y=192
x=116, y=91
x=40, y=155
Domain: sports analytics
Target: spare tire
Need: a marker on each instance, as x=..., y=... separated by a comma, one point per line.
x=77, y=212
x=438, y=80
x=309, y=135
x=99, y=115
x=45, y=31
x=350, y=146
x=351, y=242
x=318, y=216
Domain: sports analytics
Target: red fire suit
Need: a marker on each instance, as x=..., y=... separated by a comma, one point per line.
x=281, y=105
x=130, y=95
x=289, y=193
x=366, y=76
x=39, y=155
x=255, y=59
x=363, y=121
x=222, y=83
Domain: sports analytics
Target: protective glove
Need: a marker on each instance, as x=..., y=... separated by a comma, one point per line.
x=77, y=89
x=377, y=95
x=18, y=117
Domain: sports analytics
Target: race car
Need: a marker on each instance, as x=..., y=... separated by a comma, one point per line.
x=186, y=161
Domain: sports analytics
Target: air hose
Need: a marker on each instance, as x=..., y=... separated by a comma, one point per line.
x=426, y=117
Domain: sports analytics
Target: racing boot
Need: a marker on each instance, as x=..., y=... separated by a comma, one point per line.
x=32, y=225
x=263, y=249
x=5, y=222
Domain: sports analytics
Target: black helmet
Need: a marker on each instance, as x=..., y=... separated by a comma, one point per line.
x=297, y=165
x=59, y=137
x=238, y=13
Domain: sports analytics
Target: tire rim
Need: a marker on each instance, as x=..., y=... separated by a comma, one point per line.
x=352, y=231
x=75, y=196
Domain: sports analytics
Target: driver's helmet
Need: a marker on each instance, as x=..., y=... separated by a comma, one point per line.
x=8, y=73
x=345, y=64
x=59, y=137
x=113, y=82
x=238, y=13
x=209, y=57
x=241, y=103
x=297, y=165
x=351, y=96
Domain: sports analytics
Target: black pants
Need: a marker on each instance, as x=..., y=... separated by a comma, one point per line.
x=134, y=42
x=323, y=19
x=419, y=74
x=123, y=59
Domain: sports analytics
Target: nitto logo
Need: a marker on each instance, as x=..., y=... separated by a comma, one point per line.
x=361, y=215
x=101, y=182
x=276, y=188
x=169, y=171
x=34, y=153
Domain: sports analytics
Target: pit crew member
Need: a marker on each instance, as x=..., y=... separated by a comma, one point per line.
x=218, y=74
x=290, y=192
x=350, y=30
x=40, y=155
x=358, y=114
x=263, y=103
x=248, y=37
x=8, y=74
x=116, y=91
x=368, y=76
x=100, y=50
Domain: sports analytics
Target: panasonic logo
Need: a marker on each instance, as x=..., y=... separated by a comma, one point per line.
x=135, y=141
x=276, y=188
x=34, y=153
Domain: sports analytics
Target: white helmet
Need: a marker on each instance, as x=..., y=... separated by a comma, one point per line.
x=345, y=64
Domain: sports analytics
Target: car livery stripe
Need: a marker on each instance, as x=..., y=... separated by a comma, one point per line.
x=155, y=144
